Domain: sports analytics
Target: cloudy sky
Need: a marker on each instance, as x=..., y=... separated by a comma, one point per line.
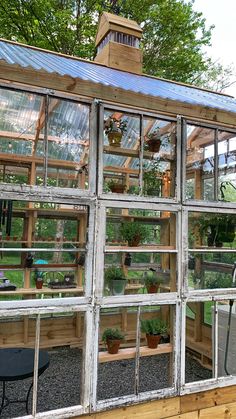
x=222, y=14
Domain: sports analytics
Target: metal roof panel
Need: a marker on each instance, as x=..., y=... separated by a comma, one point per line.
x=50, y=62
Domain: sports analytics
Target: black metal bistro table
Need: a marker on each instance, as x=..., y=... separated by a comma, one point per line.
x=17, y=364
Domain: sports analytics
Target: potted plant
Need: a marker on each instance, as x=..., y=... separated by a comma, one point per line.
x=152, y=180
x=112, y=339
x=218, y=228
x=134, y=233
x=114, y=129
x=116, y=186
x=151, y=281
x=153, y=141
x=153, y=329
x=115, y=279
x=38, y=277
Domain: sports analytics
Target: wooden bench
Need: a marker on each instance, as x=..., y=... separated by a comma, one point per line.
x=129, y=353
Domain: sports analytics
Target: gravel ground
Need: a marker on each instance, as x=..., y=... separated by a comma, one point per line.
x=59, y=385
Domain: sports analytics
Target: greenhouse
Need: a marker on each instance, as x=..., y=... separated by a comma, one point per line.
x=117, y=236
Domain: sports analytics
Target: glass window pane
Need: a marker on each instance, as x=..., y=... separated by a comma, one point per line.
x=200, y=165
x=121, y=153
x=159, y=158
x=199, y=352
x=226, y=166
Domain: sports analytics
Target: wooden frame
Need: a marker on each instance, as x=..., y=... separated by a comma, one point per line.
x=93, y=300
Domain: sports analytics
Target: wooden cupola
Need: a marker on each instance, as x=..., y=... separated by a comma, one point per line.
x=117, y=43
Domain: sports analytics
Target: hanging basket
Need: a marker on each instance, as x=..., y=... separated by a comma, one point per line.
x=114, y=138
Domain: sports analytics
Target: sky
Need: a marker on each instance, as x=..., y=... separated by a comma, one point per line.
x=222, y=14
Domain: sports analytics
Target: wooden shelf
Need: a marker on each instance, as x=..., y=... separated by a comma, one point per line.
x=34, y=291
x=139, y=249
x=128, y=152
x=129, y=353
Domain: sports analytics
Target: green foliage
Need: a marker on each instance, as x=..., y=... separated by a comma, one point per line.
x=218, y=280
x=112, y=334
x=115, y=125
x=219, y=228
x=113, y=273
x=153, y=326
x=174, y=35
x=151, y=278
x=130, y=231
x=151, y=180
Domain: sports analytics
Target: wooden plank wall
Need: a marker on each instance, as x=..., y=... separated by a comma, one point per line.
x=213, y=404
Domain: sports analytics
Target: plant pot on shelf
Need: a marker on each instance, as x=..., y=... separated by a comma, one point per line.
x=112, y=338
x=152, y=289
x=39, y=283
x=117, y=188
x=113, y=345
x=114, y=138
x=153, y=145
x=153, y=340
x=135, y=241
x=118, y=286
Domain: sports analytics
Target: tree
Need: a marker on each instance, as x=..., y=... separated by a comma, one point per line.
x=173, y=33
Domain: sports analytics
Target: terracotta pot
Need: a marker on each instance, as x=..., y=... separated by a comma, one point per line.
x=154, y=145
x=114, y=138
x=113, y=345
x=135, y=241
x=117, y=188
x=152, y=289
x=153, y=341
x=39, y=284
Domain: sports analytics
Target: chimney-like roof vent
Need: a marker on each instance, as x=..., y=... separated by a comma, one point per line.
x=117, y=43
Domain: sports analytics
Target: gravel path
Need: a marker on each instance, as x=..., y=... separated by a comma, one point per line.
x=59, y=385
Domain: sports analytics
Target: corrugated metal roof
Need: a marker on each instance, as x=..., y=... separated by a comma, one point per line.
x=51, y=63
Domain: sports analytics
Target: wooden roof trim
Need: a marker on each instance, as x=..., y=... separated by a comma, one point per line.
x=178, y=83
x=115, y=95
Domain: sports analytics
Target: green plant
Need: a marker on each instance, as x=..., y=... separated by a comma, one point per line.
x=151, y=278
x=134, y=232
x=151, y=180
x=219, y=280
x=113, y=273
x=38, y=274
x=218, y=228
x=153, y=327
x=112, y=334
x=115, y=125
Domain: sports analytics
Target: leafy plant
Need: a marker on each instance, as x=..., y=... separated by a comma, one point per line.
x=153, y=326
x=115, y=125
x=112, y=334
x=38, y=274
x=151, y=278
x=151, y=180
x=218, y=280
x=219, y=228
x=132, y=231
x=113, y=273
